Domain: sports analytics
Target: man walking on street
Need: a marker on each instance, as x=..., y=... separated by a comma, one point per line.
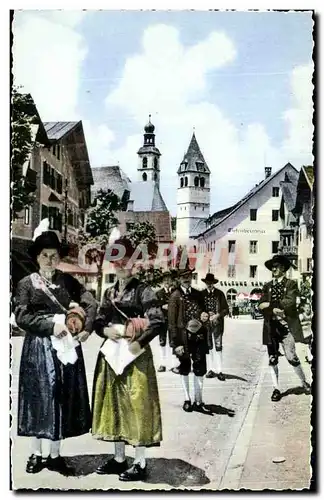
x=281, y=321
x=188, y=338
x=216, y=305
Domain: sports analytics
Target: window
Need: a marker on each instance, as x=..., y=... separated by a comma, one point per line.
x=155, y=162
x=202, y=182
x=59, y=183
x=196, y=181
x=46, y=173
x=275, y=215
x=309, y=265
x=58, y=152
x=231, y=295
x=55, y=218
x=231, y=271
x=253, y=271
x=144, y=162
x=181, y=182
x=144, y=176
x=253, y=214
x=44, y=212
x=27, y=216
x=253, y=246
x=301, y=233
x=54, y=149
x=275, y=246
x=186, y=181
x=155, y=176
x=275, y=192
x=231, y=246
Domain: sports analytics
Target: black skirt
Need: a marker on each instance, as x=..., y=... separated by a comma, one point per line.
x=53, y=398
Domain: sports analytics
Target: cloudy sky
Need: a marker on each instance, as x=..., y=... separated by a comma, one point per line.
x=241, y=79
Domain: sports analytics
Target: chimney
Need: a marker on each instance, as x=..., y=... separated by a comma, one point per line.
x=267, y=171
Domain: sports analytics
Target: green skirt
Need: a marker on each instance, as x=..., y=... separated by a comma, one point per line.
x=127, y=407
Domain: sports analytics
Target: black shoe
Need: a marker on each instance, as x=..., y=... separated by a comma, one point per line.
x=176, y=370
x=221, y=376
x=112, y=467
x=276, y=395
x=59, y=465
x=161, y=369
x=211, y=374
x=34, y=464
x=307, y=388
x=187, y=406
x=201, y=408
x=134, y=473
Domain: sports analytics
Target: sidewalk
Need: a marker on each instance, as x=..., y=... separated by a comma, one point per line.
x=272, y=430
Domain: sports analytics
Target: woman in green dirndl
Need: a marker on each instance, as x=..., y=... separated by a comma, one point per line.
x=126, y=407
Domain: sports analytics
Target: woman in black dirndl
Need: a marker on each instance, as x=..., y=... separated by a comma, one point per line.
x=53, y=401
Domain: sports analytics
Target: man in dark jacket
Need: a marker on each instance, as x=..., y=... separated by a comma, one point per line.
x=216, y=305
x=163, y=296
x=281, y=321
x=188, y=337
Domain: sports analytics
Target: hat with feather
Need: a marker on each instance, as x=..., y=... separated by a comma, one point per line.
x=44, y=238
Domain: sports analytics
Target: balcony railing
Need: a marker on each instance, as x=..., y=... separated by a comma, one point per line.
x=288, y=250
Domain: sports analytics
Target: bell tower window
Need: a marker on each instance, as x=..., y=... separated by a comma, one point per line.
x=155, y=162
x=144, y=176
x=186, y=181
x=202, y=182
x=144, y=162
x=196, y=181
x=181, y=182
x=155, y=176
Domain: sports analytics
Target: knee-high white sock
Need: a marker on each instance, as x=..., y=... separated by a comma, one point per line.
x=55, y=449
x=210, y=360
x=274, y=371
x=119, y=451
x=46, y=447
x=36, y=446
x=219, y=361
x=185, y=385
x=198, y=386
x=300, y=372
x=163, y=355
x=140, y=456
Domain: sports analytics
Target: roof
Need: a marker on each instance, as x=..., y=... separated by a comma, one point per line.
x=219, y=217
x=289, y=189
x=110, y=177
x=193, y=159
x=304, y=190
x=309, y=174
x=149, y=149
x=57, y=130
x=147, y=197
x=76, y=146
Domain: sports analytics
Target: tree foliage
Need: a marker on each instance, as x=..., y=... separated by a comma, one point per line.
x=141, y=233
x=22, y=117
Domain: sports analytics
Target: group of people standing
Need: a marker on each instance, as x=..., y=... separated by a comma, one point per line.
x=53, y=396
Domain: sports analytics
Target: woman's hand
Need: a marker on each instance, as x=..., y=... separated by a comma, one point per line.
x=60, y=331
x=111, y=333
x=165, y=307
x=134, y=347
x=264, y=305
x=278, y=312
x=204, y=317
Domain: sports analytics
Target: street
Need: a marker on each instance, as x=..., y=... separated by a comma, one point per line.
x=232, y=449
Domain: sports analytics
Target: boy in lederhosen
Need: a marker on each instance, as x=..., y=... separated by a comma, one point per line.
x=216, y=305
x=188, y=338
x=281, y=322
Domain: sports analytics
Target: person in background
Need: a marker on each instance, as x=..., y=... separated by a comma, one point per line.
x=281, y=321
x=53, y=402
x=305, y=317
x=163, y=295
x=126, y=407
x=188, y=338
x=215, y=304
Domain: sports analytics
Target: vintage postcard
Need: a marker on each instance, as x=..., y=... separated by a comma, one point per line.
x=162, y=250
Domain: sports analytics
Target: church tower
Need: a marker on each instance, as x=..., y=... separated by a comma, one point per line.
x=193, y=196
x=149, y=156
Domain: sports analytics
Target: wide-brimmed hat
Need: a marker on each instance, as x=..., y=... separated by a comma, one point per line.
x=278, y=259
x=47, y=239
x=210, y=278
x=185, y=272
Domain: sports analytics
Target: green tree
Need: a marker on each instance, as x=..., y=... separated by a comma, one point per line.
x=23, y=116
x=100, y=221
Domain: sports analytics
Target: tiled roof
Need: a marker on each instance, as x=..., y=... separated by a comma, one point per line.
x=57, y=130
x=147, y=197
x=110, y=177
x=193, y=160
x=220, y=216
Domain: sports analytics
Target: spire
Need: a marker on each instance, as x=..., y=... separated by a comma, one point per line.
x=193, y=159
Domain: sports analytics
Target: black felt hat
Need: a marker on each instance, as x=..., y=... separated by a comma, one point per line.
x=278, y=259
x=47, y=239
x=210, y=278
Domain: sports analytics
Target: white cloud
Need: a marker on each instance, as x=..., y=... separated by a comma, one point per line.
x=47, y=58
